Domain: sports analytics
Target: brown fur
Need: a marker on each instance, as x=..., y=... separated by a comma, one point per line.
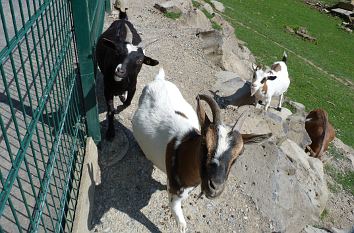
x=211, y=140
x=181, y=114
x=276, y=67
x=320, y=131
x=183, y=164
x=265, y=88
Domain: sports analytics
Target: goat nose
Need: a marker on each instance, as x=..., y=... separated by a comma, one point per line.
x=121, y=71
x=212, y=185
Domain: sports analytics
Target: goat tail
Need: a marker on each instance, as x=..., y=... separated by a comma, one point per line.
x=285, y=57
x=160, y=75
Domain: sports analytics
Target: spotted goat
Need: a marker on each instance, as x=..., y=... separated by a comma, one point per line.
x=189, y=147
x=270, y=82
x=120, y=59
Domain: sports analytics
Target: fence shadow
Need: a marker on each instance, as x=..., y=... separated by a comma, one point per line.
x=126, y=185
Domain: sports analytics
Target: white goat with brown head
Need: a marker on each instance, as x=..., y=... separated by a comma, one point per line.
x=270, y=82
x=187, y=146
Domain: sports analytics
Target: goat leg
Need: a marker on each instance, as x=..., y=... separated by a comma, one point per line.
x=176, y=209
x=280, y=102
x=130, y=96
x=110, y=117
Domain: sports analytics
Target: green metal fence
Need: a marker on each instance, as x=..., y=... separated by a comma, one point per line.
x=47, y=109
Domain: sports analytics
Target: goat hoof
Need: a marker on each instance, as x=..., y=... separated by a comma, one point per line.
x=110, y=134
x=278, y=109
x=182, y=227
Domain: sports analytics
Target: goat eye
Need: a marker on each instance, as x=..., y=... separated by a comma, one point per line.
x=139, y=61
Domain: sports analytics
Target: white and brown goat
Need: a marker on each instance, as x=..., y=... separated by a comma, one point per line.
x=270, y=82
x=186, y=145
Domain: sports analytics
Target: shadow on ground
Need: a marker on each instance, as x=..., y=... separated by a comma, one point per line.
x=240, y=97
x=126, y=182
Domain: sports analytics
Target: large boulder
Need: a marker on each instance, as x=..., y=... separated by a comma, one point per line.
x=286, y=184
x=167, y=7
x=218, y=6
x=225, y=51
x=195, y=18
x=230, y=89
x=208, y=8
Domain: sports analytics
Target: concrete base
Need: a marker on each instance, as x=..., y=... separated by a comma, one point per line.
x=91, y=176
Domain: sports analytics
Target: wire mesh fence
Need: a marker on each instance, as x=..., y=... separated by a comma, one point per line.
x=42, y=119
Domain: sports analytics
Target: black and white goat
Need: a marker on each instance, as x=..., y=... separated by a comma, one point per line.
x=186, y=145
x=120, y=59
x=270, y=82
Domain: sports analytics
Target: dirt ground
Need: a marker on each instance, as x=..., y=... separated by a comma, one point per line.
x=132, y=196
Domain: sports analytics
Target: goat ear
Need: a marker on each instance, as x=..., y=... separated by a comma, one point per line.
x=255, y=138
x=264, y=80
x=254, y=66
x=202, y=116
x=109, y=43
x=150, y=62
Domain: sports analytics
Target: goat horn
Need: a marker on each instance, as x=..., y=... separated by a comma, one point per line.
x=214, y=108
x=129, y=37
x=238, y=124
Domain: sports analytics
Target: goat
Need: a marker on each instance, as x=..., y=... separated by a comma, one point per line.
x=120, y=60
x=320, y=131
x=270, y=82
x=187, y=146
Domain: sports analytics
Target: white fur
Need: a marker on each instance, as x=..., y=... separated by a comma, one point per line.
x=176, y=207
x=116, y=77
x=276, y=87
x=131, y=48
x=155, y=122
x=223, y=141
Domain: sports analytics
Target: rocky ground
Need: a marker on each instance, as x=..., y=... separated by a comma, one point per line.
x=132, y=196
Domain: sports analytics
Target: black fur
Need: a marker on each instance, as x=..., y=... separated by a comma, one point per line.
x=111, y=50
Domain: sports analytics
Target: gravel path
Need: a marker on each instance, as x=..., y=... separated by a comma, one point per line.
x=132, y=196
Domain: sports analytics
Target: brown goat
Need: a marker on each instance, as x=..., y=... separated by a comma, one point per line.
x=320, y=131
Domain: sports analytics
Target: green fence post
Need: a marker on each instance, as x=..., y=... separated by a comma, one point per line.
x=108, y=6
x=88, y=24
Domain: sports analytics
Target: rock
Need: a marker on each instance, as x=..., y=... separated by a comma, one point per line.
x=298, y=106
x=225, y=51
x=208, y=8
x=196, y=19
x=233, y=89
x=294, y=128
x=283, y=114
x=218, y=6
x=311, y=229
x=169, y=6
x=286, y=185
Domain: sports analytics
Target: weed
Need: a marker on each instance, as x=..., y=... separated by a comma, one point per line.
x=207, y=14
x=345, y=179
x=173, y=15
x=216, y=26
x=334, y=152
x=196, y=4
x=324, y=214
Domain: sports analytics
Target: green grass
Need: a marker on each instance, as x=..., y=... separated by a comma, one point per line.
x=173, y=15
x=324, y=214
x=261, y=24
x=207, y=14
x=345, y=179
x=196, y=4
x=216, y=26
